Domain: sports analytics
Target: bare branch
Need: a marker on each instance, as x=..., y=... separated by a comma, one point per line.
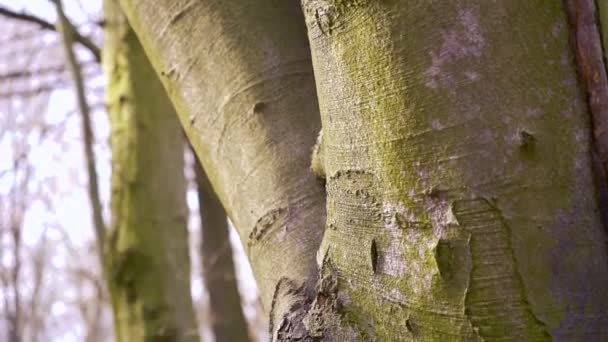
x=63, y=27
x=52, y=69
x=83, y=40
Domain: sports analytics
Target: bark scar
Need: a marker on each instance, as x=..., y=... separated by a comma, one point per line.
x=291, y=321
x=374, y=256
x=273, y=219
x=496, y=296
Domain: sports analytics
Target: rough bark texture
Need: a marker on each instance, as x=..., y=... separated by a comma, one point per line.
x=147, y=261
x=226, y=312
x=240, y=75
x=456, y=146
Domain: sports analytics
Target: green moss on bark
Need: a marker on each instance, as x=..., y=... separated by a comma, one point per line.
x=146, y=256
x=240, y=76
x=437, y=104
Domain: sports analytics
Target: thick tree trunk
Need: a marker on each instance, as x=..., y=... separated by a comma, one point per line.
x=227, y=319
x=456, y=146
x=147, y=261
x=240, y=75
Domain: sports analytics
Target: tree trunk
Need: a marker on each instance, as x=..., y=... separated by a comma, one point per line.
x=147, y=261
x=240, y=75
x=459, y=189
x=68, y=33
x=227, y=319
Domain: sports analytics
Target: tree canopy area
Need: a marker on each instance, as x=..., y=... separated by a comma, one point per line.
x=391, y=170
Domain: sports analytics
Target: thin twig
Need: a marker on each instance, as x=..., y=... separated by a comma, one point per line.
x=63, y=27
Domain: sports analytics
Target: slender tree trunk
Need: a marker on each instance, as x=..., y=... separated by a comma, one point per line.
x=227, y=319
x=67, y=32
x=460, y=198
x=147, y=261
x=240, y=75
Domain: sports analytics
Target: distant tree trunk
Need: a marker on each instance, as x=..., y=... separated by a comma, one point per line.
x=146, y=258
x=67, y=32
x=11, y=276
x=460, y=201
x=240, y=76
x=226, y=311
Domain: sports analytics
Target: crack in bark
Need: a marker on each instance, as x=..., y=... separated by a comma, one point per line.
x=291, y=325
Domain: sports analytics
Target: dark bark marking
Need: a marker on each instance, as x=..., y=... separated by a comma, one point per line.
x=445, y=255
x=323, y=314
x=168, y=73
x=129, y=266
x=374, y=256
x=591, y=68
x=273, y=219
x=258, y=107
x=411, y=326
x=291, y=326
x=601, y=188
x=527, y=141
x=311, y=317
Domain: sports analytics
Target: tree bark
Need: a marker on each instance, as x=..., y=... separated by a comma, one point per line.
x=146, y=258
x=227, y=319
x=459, y=190
x=602, y=7
x=240, y=75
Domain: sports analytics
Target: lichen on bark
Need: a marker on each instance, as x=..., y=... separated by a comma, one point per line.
x=146, y=258
x=437, y=108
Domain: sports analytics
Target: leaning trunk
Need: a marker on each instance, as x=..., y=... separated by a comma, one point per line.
x=460, y=198
x=226, y=312
x=240, y=75
x=146, y=257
